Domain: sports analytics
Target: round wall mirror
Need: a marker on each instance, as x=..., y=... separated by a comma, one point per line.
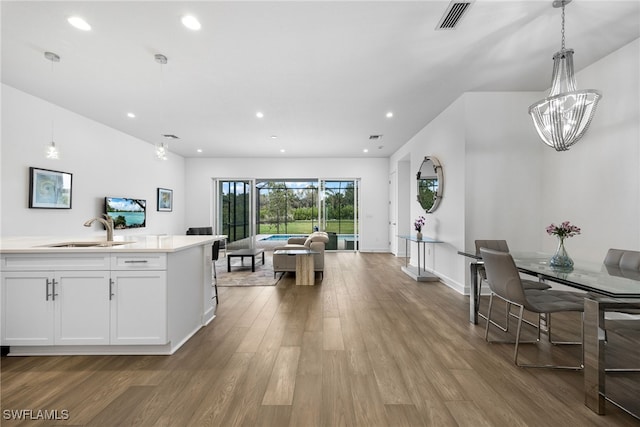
x=430, y=184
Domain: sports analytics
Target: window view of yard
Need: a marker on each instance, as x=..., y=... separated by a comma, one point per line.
x=291, y=207
x=288, y=207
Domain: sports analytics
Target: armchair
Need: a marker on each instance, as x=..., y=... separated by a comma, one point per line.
x=316, y=242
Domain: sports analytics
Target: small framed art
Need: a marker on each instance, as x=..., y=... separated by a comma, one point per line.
x=49, y=189
x=165, y=200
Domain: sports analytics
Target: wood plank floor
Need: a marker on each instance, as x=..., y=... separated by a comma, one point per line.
x=367, y=346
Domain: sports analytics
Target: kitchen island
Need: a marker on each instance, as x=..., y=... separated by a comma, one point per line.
x=136, y=295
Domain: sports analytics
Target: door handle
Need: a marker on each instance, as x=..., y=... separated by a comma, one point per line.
x=111, y=294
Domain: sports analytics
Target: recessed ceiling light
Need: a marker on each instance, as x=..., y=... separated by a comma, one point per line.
x=274, y=137
x=191, y=22
x=131, y=115
x=259, y=114
x=199, y=150
x=79, y=23
x=282, y=150
x=366, y=150
x=389, y=114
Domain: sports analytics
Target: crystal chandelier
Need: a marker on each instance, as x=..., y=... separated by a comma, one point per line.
x=563, y=117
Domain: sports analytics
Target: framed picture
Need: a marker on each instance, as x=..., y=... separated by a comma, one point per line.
x=49, y=189
x=165, y=200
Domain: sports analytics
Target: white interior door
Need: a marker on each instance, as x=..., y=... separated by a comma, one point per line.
x=393, y=212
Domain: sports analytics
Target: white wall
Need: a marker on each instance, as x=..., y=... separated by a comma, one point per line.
x=374, y=190
x=502, y=182
x=103, y=161
x=503, y=156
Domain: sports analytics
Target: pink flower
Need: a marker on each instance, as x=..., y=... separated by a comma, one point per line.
x=565, y=229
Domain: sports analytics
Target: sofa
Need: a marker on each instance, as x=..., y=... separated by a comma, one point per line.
x=316, y=242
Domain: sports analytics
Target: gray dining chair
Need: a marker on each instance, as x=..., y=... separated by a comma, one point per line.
x=502, y=246
x=624, y=263
x=505, y=283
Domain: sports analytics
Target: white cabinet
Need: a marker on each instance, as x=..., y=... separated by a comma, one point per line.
x=55, y=308
x=81, y=308
x=86, y=299
x=27, y=309
x=139, y=307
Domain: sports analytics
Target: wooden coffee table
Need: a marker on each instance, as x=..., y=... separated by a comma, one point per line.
x=242, y=253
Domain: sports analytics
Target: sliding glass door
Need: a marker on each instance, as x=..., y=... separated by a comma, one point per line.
x=288, y=207
x=235, y=214
x=339, y=213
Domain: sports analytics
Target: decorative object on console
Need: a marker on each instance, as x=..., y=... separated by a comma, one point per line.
x=165, y=200
x=418, y=224
x=430, y=184
x=561, y=259
x=49, y=189
x=563, y=117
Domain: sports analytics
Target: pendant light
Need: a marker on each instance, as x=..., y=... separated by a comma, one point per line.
x=563, y=117
x=51, y=151
x=162, y=148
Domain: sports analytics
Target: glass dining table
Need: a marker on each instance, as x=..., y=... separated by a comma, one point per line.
x=607, y=289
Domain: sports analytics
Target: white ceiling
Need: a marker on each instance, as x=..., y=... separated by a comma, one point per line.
x=323, y=73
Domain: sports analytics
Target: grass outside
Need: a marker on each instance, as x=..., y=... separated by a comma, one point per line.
x=306, y=227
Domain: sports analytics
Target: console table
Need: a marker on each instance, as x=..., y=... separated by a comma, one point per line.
x=419, y=274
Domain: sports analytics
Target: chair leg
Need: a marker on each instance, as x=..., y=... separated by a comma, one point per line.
x=486, y=331
x=557, y=342
x=486, y=328
x=515, y=356
x=496, y=324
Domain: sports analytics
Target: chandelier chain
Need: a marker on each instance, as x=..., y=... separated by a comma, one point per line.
x=562, y=26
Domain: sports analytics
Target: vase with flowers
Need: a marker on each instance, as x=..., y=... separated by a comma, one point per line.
x=561, y=259
x=418, y=224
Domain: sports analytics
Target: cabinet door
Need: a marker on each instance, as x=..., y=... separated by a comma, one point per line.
x=82, y=307
x=139, y=307
x=27, y=308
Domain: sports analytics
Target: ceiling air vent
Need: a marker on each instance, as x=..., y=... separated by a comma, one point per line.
x=169, y=136
x=454, y=13
x=374, y=137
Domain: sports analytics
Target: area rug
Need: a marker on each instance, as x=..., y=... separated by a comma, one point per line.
x=241, y=274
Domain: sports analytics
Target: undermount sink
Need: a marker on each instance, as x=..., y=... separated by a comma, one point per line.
x=100, y=244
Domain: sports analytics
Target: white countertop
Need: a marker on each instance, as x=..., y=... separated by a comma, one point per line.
x=146, y=243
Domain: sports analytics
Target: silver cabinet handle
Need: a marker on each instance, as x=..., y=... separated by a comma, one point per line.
x=110, y=289
x=136, y=261
x=53, y=286
x=46, y=291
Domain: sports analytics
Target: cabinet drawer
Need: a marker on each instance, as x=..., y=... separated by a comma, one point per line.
x=144, y=261
x=42, y=262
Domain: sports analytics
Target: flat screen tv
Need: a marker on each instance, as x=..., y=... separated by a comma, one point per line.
x=126, y=213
